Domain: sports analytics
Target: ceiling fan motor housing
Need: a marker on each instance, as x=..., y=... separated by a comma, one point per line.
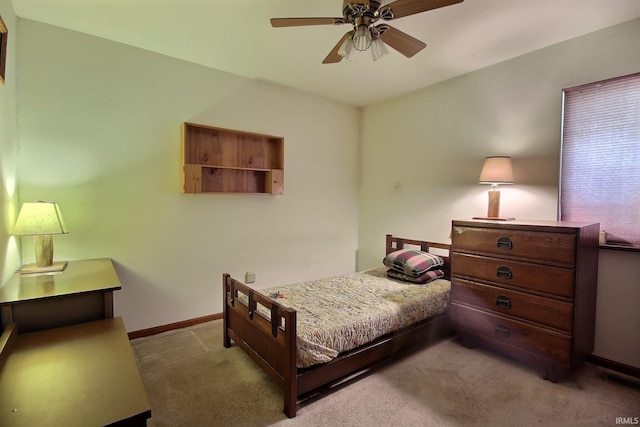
x=353, y=9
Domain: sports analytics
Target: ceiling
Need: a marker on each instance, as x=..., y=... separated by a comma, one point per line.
x=235, y=36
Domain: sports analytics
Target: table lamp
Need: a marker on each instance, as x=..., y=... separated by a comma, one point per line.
x=41, y=220
x=495, y=171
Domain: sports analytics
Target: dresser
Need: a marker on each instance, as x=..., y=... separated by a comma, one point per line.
x=82, y=292
x=526, y=289
x=65, y=360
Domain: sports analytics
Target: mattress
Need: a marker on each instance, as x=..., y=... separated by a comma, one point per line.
x=341, y=313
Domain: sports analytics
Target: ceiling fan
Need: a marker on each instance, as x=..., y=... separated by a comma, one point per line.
x=363, y=15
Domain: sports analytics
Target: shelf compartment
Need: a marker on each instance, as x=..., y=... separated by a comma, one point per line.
x=217, y=160
x=212, y=179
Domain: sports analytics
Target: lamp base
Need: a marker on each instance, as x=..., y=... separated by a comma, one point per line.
x=34, y=269
x=494, y=218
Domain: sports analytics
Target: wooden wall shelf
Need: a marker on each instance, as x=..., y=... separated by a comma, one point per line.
x=217, y=160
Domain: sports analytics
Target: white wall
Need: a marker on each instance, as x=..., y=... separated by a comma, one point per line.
x=9, y=252
x=617, y=311
x=422, y=153
x=99, y=127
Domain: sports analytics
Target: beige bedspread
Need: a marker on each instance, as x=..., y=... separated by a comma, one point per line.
x=341, y=313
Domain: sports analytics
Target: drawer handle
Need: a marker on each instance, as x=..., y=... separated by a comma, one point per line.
x=502, y=330
x=503, y=302
x=505, y=243
x=504, y=273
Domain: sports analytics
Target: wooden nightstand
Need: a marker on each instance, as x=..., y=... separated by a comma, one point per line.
x=83, y=292
x=526, y=289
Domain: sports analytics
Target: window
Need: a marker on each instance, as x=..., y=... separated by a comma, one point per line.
x=600, y=159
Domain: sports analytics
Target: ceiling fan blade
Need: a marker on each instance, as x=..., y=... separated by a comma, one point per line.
x=333, y=57
x=402, y=42
x=297, y=22
x=402, y=8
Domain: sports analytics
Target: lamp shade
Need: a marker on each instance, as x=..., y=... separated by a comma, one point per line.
x=362, y=38
x=496, y=170
x=346, y=49
x=378, y=49
x=39, y=218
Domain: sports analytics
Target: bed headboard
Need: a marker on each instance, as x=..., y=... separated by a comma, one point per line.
x=441, y=249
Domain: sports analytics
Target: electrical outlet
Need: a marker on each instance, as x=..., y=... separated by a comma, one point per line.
x=249, y=277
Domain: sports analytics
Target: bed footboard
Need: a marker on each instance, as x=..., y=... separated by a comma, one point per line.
x=271, y=342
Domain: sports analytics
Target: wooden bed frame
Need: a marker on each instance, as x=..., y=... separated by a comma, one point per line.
x=272, y=342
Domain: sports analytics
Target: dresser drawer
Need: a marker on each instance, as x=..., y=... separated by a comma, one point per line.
x=557, y=248
x=533, y=339
x=545, y=311
x=534, y=277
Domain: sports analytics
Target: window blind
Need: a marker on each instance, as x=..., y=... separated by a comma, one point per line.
x=600, y=157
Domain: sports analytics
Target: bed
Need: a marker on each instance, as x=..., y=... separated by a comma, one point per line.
x=275, y=335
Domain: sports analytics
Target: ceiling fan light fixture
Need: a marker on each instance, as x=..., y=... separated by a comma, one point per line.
x=367, y=17
x=362, y=38
x=378, y=49
x=346, y=49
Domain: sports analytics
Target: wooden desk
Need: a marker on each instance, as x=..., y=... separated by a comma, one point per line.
x=80, y=375
x=83, y=292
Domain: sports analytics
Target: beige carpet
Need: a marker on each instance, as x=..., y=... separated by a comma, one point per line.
x=192, y=380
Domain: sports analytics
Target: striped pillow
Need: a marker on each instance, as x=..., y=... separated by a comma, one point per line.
x=425, y=278
x=412, y=262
